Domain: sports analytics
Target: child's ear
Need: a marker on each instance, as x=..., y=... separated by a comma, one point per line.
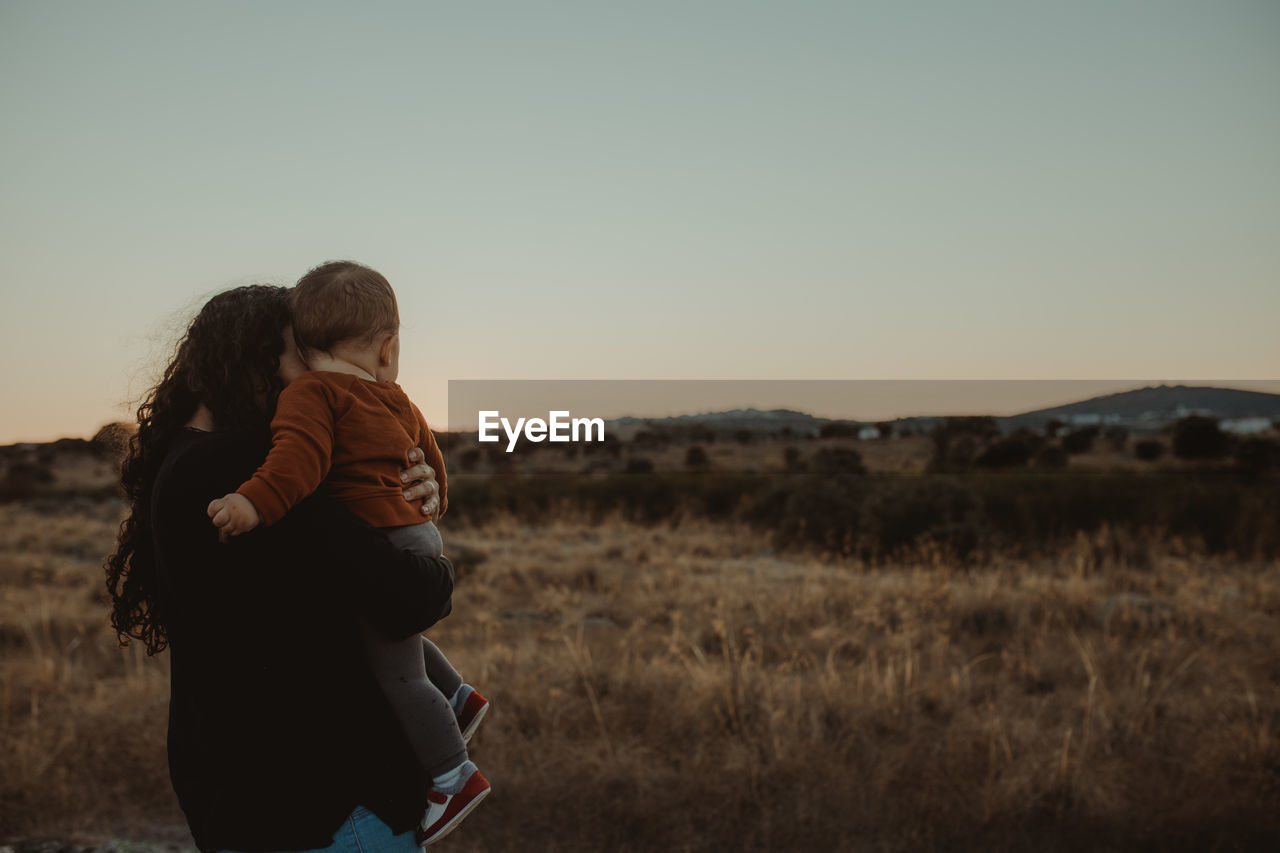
x=384, y=351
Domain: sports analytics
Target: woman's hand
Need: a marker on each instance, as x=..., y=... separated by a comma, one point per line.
x=420, y=484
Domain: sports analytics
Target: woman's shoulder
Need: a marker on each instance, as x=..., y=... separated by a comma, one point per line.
x=197, y=462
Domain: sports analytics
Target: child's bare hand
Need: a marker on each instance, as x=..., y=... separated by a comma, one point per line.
x=233, y=515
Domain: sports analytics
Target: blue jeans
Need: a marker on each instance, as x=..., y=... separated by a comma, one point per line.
x=364, y=832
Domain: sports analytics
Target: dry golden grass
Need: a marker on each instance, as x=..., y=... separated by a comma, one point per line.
x=688, y=689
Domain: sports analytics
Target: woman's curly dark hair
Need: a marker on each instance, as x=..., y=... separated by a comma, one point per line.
x=228, y=359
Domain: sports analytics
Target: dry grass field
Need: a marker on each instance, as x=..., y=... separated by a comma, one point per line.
x=686, y=688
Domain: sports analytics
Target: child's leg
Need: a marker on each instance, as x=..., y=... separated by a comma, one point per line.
x=423, y=710
x=421, y=538
x=439, y=670
x=425, y=539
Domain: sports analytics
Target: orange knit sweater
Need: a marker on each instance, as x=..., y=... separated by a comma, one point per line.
x=354, y=436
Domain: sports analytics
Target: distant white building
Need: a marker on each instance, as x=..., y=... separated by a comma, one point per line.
x=1245, y=426
x=868, y=432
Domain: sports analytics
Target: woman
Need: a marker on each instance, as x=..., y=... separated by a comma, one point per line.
x=279, y=737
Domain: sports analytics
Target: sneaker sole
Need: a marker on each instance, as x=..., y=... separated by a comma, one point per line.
x=474, y=724
x=457, y=819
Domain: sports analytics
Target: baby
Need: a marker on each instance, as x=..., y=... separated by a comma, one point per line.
x=347, y=426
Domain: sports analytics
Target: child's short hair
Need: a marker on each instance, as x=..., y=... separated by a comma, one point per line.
x=340, y=301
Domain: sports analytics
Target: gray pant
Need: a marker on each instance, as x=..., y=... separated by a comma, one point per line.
x=416, y=676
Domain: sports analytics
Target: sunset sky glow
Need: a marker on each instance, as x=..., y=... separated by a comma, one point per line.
x=713, y=190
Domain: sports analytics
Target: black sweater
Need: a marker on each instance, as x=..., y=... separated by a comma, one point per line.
x=277, y=729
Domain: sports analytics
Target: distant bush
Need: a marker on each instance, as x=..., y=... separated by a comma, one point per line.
x=610, y=447
x=743, y=436
x=838, y=460
x=1198, y=437
x=701, y=434
x=1117, y=437
x=813, y=512
x=1258, y=454
x=873, y=519
x=906, y=514
x=1148, y=450
x=792, y=460
x=696, y=459
x=23, y=479
x=1013, y=451
x=500, y=462
x=469, y=459
x=649, y=439
x=1079, y=440
x=639, y=465
x=1051, y=457
x=112, y=440
x=876, y=517
x=957, y=442
x=838, y=429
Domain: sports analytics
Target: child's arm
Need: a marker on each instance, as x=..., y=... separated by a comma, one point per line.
x=301, y=453
x=433, y=458
x=233, y=515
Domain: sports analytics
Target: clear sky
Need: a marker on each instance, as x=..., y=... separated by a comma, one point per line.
x=713, y=190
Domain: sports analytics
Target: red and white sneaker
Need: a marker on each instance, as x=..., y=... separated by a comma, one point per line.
x=473, y=711
x=446, y=811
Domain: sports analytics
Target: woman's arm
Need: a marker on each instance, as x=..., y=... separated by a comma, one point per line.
x=321, y=557
x=397, y=592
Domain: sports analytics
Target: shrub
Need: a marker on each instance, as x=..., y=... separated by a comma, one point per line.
x=639, y=465
x=791, y=459
x=1051, y=457
x=838, y=460
x=1013, y=451
x=1148, y=450
x=838, y=429
x=1257, y=454
x=696, y=459
x=648, y=439
x=23, y=480
x=469, y=459
x=957, y=442
x=817, y=511
x=1117, y=437
x=112, y=440
x=499, y=460
x=1198, y=437
x=874, y=517
x=1079, y=440
x=905, y=514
